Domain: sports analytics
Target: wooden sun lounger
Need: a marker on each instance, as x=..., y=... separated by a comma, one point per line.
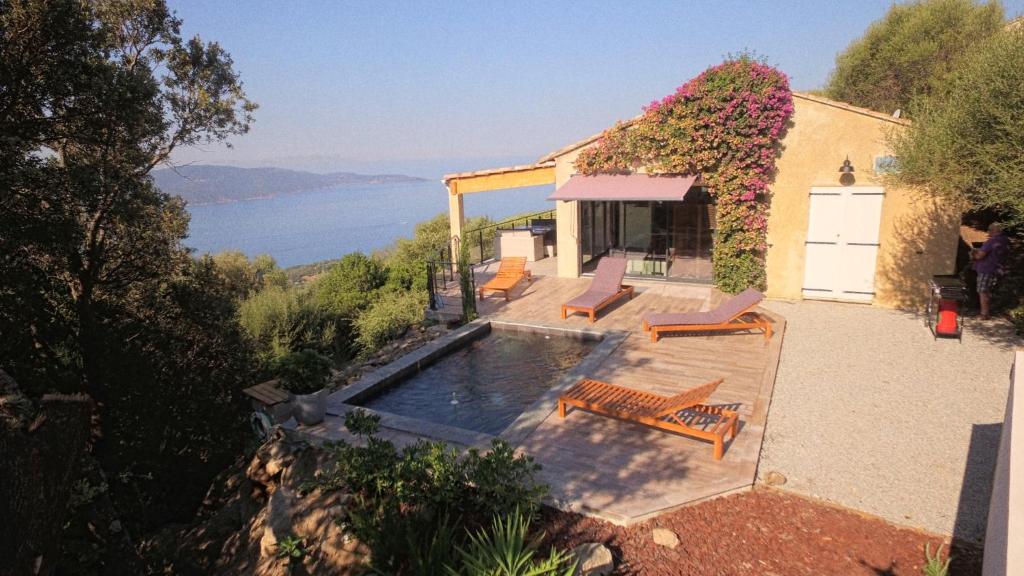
x=510, y=272
x=735, y=314
x=606, y=288
x=662, y=412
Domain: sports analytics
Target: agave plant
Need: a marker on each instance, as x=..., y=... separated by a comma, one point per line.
x=504, y=550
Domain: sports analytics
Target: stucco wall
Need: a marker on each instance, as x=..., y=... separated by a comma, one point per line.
x=567, y=217
x=917, y=236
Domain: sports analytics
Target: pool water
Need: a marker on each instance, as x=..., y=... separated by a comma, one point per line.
x=486, y=385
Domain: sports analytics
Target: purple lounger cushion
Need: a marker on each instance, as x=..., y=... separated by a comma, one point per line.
x=607, y=283
x=725, y=312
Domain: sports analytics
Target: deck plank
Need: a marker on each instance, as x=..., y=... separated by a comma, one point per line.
x=623, y=471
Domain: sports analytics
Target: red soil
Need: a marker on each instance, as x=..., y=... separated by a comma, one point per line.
x=763, y=532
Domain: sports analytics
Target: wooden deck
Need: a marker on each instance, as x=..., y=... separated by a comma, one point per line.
x=625, y=472
x=621, y=471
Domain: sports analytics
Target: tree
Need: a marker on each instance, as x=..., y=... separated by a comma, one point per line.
x=98, y=293
x=966, y=142
x=94, y=96
x=175, y=359
x=910, y=51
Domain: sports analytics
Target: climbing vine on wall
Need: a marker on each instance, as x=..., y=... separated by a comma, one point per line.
x=724, y=125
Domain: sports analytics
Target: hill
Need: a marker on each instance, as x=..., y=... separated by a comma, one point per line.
x=215, y=184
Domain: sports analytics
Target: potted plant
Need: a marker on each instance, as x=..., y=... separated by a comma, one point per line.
x=304, y=374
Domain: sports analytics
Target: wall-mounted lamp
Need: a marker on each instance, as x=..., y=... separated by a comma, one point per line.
x=846, y=173
x=847, y=167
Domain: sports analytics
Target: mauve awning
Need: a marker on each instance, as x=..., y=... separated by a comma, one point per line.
x=636, y=187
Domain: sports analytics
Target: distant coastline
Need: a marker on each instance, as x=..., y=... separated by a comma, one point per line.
x=326, y=224
x=202, y=185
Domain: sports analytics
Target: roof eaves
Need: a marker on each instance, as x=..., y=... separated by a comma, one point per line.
x=580, y=144
x=492, y=171
x=851, y=108
x=802, y=95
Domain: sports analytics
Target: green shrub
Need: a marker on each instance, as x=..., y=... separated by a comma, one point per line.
x=303, y=372
x=268, y=273
x=362, y=423
x=502, y=481
x=411, y=506
x=388, y=318
x=1017, y=317
x=406, y=259
x=745, y=269
x=505, y=550
x=287, y=320
x=243, y=277
x=291, y=548
x=350, y=285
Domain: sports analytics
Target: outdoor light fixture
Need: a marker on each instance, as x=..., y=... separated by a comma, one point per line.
x=847, y=167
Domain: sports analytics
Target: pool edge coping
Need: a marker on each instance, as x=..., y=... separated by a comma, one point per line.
x=339, y=402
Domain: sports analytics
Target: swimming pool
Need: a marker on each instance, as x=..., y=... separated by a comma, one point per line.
x=485, y=383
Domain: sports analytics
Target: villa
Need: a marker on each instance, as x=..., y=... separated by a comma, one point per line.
x=836, y=230
x=839, y=402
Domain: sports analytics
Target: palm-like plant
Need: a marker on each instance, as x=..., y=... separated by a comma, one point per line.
x=505, y=550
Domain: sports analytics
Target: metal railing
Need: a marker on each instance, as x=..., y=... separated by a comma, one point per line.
x=443, y=268
x=442, y=273
x=481, y=240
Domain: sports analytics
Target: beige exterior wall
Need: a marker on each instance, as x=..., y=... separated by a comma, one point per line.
x=568, y=220
x=918, y=235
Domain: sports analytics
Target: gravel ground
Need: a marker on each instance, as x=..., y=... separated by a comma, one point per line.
x=871, y=413
x=763, y=533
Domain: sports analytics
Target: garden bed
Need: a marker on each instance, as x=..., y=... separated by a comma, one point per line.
x=760, y=532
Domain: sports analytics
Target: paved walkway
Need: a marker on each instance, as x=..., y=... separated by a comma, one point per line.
x=871, y=413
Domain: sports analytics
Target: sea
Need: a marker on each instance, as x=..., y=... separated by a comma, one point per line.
x=307, y=227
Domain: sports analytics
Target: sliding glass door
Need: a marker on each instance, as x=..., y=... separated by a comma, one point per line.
x=598, y=227
x=692, y=237
x=670, y=240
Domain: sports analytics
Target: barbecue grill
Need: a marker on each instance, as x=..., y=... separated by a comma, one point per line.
x=947, y=296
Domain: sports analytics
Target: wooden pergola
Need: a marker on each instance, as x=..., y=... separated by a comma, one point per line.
x=485, y=181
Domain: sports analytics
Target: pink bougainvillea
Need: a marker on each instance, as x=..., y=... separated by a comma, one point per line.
x=724, y=125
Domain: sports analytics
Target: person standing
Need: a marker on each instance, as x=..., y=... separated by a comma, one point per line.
x=988, y=263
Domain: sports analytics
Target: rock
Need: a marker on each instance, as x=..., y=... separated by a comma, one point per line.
x=279, y=521
x=774, y=478
x=665, y=537
x=303, y=469
x=334, y=549
x=275, y=455
x=593, y=559
x=115, y=526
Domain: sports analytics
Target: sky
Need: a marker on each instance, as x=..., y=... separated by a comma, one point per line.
x=426, y=88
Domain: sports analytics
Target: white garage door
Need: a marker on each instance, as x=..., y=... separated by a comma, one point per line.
x=842, y=242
